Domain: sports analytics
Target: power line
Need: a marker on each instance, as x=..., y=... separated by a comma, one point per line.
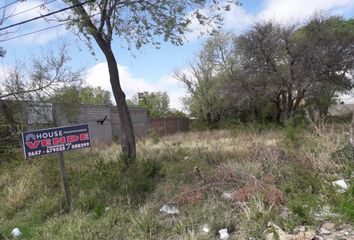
x=5, y=6
x=30, y=9
x=46, y=15
x=37, y=31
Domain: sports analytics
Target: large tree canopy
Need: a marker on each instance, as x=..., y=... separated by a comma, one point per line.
x=157, y=104
x=77, y=94
x=273, y=71
x=140, y=23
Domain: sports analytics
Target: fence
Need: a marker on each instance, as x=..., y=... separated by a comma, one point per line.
x=169, y=125
x=341, y=109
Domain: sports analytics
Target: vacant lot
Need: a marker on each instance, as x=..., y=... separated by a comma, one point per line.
x=238, y=179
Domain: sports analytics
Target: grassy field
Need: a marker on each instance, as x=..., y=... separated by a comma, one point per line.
x=238, y=179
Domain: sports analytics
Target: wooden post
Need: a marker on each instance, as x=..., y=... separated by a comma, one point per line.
x=179, y=124
x=64, y=177
x=352, y=132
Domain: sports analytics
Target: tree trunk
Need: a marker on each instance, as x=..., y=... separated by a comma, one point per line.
x=278, y=114
x=299, y=98
x=127, y=134
x=289, y=107
x=104, y=42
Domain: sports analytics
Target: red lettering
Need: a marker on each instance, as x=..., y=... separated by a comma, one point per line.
x=46, y=142
x=72, y=138
x=60, y=140
x=84, y=137
x=32, y=145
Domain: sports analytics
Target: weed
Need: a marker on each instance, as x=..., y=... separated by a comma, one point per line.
x=190, y=171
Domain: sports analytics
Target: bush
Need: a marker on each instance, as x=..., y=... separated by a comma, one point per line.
x=132, y=184
x=294, y=128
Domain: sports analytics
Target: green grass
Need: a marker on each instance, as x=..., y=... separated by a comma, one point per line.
x=111, y=202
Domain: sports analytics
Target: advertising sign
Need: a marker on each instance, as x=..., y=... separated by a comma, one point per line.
x=54, y=140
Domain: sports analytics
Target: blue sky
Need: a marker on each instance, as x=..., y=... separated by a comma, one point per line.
x=151, y=69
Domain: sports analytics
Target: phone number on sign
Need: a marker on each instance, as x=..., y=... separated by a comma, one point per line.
x=80, y=145
x=35, y=153
x=55, y=149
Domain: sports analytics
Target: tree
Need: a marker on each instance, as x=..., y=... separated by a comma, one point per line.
x=35, y=80
x=272, y=71
x=290, y=66
x=157, y=104
x=205, y=78
x=329, y=69
x=140, y=23
x=40, y=77
x=95, y=96
x=76, y=94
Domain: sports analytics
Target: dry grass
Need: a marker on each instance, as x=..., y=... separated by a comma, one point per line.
x=196, y=169
x=18, y=188
x=323, y=142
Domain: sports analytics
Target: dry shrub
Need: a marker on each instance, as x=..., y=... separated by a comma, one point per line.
x=268, y=179
x=321, y=144
x=266, y=187
x=226, y=174
x=18, y=193
x=245, y=193
x=5, y=179
x=273, y=196
x=190, y=196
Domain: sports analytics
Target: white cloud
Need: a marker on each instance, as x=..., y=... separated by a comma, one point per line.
x=195, y=29
x=290, y=10
x=284, y=11
x=175, y=90
x=5, y=70
x=98, y=76
x=237, y=19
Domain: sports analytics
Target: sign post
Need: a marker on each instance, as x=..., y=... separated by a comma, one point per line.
x=64, y=177
x=57, y=140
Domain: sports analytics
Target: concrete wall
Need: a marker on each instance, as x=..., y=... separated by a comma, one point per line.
x=91, y=114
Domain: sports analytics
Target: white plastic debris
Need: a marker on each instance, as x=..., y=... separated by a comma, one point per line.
x=324, y=231
x=226, y=195
x=169, y=210
x=16, y=233
x=341, y=184
x=205, y=228
x=223, y=234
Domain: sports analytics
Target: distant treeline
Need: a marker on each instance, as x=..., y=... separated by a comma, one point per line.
x=272, y=72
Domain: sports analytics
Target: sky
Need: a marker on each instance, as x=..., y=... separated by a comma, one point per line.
x=148, y=69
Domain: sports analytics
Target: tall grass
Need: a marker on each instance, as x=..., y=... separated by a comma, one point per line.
x=262, y=171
